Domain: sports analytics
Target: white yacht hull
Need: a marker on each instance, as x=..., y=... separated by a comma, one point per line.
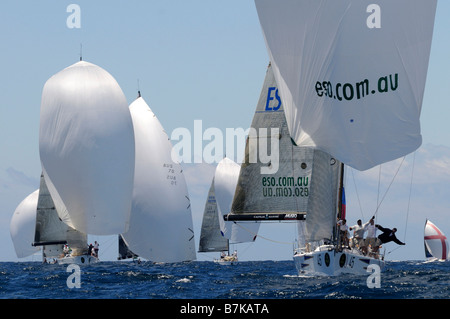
x=326, y=261
x=79, y=260
x=226, y=261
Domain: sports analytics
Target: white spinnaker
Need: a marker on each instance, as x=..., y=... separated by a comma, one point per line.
x=161, y=227
x=22, y=226
x=86, y=145
x=225, y=181
x=436, y=241
x=351, y=73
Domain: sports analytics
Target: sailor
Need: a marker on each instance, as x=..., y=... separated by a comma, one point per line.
x=90, y=249
x=358, y=235
x=371, y=239
x=343, y=231
x=388, y=235
x=66, y=249
x=96, y=248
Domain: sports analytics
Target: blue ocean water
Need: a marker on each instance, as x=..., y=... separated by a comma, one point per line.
x=208, y=280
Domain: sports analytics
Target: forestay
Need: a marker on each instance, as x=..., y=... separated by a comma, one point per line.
x=86, y=146
x=351, y=73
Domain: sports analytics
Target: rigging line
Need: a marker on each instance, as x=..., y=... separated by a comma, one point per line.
x=410, y=191
x=357, y=195
x=392, y=181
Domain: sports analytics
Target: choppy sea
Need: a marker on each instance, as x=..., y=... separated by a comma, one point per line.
x=193, y=284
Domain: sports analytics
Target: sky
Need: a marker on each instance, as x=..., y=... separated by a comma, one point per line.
x=201, y=60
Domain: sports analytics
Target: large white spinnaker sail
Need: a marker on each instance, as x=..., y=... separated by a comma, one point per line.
x=351, y=73
x=225, y=182
x=22, y=226
x=86, y=145
x=436, y=243
x=161, y=226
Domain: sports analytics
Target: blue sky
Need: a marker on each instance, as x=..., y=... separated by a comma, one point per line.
x=198, y=60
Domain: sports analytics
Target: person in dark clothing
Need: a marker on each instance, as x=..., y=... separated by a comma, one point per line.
x=388, y=235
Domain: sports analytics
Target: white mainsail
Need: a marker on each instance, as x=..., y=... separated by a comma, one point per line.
x=161, y=227
x=22, y=226
x=351, y=73
x=86, y=146
x=436, y=243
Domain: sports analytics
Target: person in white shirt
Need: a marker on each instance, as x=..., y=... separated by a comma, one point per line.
x=371, y=238
x=358, y=235
x=343, y=232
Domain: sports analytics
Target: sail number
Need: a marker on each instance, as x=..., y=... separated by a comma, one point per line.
x=285, y=186
x=171, y=176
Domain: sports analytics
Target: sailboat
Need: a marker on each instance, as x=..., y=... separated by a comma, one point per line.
x=86, y=147
x=350, y=77
x=22, y=226
x=216, y=233
x=60, y=242
x=160, y=227
x=125, y=252
x=435, y=243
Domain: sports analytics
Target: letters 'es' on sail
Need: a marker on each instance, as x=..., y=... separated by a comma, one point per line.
x=351, y=73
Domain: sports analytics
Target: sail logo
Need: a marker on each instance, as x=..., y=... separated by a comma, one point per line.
x=272, y=95
x=374, y=19
x=73, y=20
x=349, y=91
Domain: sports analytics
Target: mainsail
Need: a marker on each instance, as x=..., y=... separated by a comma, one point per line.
x=86, y=147
x=225, y=186
x=211, y=237
x=161, y=227
x=51, y=232
x=124, y=250
x=305, y=181
x=22, y=226
x=351, y=73
x=216, y=233
x=435, y=242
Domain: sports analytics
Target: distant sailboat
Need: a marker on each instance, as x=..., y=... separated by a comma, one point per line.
x=351, y=77
x=23, y=224
x=217, y=234
x=161, y=226
x=435, y=243
x=86, y=146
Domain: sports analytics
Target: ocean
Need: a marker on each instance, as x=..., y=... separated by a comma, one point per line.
x=192, y=284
